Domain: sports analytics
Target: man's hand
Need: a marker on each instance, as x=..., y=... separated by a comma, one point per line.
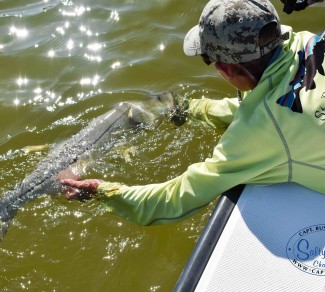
x=81, y=189
x=178, y=113
x=297, y=5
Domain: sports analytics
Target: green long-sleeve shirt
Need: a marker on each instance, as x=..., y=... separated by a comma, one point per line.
x=275, y=135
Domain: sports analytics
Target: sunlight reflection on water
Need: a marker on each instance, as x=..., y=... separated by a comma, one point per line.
x=63, y=63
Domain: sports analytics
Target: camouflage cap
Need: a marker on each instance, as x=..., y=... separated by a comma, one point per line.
x=228, y=31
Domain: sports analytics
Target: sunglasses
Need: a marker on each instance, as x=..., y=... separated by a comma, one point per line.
x=206, y=59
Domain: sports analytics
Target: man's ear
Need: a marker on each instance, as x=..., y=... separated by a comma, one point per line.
x=226, y=70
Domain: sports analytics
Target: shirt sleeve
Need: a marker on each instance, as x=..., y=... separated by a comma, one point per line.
x=216, y=113
x=247, y=152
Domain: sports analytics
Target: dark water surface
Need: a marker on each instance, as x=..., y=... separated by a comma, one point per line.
x=65, y=62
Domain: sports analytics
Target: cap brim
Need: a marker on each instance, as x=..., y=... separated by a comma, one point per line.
x=192, y=42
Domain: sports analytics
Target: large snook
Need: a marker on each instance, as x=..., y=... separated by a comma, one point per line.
x=45, y=177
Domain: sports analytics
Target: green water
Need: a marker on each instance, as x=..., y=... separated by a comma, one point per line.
x=65, y=62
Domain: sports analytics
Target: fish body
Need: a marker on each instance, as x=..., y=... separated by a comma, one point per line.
x=45, y=177
x=61, y=157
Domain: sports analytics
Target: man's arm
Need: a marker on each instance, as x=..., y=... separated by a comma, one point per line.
x=247, y=153
x=216, y=113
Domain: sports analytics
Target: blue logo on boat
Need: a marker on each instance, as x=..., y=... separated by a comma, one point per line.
x=306, y=250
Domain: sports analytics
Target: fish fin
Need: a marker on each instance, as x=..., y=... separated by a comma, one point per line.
x=4, y=225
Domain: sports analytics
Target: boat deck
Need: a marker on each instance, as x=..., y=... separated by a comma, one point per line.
x=271, y=239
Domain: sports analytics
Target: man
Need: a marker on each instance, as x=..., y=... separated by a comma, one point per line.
x=276, y=130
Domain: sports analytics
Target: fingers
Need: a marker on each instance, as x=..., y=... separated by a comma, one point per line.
x=72, y=193
x=85, y=186
x=76, y=194
x=70, y=183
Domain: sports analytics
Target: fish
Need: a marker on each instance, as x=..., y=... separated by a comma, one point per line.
x=45, y=178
